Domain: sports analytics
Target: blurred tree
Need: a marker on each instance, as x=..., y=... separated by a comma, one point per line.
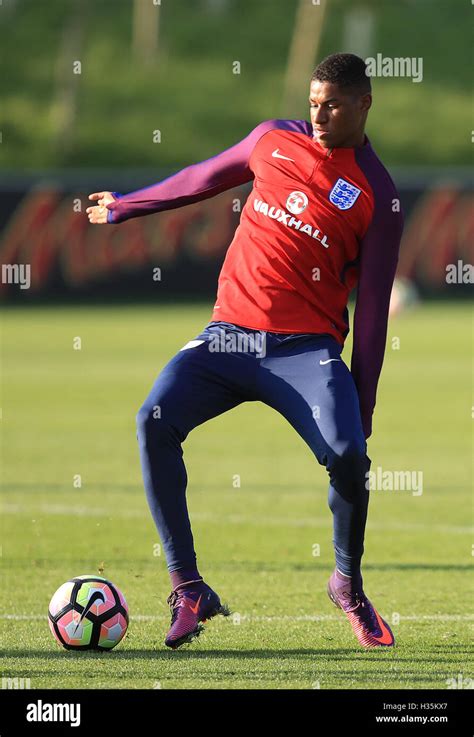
x=303, y=51
x=359, y=30
x=146, y=19
x=68, y=75
x=217, y=6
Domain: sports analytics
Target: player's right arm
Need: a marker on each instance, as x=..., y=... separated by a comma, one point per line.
x=192, y=184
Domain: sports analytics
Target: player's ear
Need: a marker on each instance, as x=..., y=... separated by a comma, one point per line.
x=365, y=102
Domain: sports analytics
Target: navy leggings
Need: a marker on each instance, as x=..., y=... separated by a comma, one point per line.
x=300, y=375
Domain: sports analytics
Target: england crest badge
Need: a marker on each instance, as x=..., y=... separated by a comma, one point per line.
x=343, y=194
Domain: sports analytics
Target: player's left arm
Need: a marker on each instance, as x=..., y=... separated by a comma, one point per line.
x=378, y=260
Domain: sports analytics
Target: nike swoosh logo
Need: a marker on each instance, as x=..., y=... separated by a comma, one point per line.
x=195, y=608
x=386, y=637
x=191, y=344
x=323, y=363
x=276, y=155
x=95, y=597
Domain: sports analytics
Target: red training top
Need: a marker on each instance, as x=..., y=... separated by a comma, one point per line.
x=317, y=223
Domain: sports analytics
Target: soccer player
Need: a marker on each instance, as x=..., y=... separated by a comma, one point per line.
x=323, y=216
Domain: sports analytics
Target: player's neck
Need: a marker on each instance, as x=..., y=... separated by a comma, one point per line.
x=357, y=141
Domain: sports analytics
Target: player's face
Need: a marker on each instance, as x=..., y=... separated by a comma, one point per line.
x=338, y=117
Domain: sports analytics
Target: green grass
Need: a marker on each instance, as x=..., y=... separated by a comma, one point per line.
x=69, y=412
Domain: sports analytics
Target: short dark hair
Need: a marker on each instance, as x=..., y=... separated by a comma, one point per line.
x=346, y=70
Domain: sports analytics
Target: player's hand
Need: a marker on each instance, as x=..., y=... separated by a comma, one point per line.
x=98, y=213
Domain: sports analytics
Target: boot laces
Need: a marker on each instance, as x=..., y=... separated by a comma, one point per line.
x=174, y=600
x=359, y=601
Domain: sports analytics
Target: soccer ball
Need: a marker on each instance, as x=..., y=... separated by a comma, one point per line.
x=88, y=613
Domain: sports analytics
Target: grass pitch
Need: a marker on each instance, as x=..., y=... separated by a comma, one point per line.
x=69, y=412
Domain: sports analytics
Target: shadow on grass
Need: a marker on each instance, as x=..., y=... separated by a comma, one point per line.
x=248, y=566
x=353, y=667
x=191, y=653
x=183, y=652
